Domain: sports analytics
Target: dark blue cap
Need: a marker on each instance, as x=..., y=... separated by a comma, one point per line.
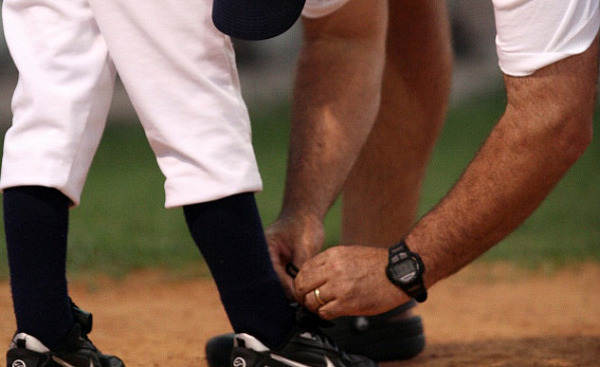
x=255, y=19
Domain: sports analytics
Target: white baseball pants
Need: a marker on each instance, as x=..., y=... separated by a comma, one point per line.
x=179, y=73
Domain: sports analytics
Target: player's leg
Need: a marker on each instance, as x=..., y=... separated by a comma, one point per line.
x=381, y=196
x=189, y=103
x=59, y=110
x=228, y=231
x=179, y=72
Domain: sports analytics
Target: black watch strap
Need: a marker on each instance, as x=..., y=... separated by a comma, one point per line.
x=415, y=287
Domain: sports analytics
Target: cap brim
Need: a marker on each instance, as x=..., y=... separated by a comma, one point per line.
x=255, y=19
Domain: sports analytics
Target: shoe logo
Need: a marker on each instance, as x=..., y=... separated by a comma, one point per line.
x=19, y=363
x=239, y=362
x=67, y=364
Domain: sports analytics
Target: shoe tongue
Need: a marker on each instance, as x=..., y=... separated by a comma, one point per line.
x=83, y=318
x=75, y=340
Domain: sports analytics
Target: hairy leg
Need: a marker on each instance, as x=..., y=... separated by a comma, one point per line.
x=415, y=91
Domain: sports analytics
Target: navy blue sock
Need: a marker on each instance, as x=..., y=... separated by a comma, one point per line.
x=36, y=223
x=230, y=236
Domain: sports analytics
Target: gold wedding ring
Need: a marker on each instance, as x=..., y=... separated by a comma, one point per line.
x=318, y=297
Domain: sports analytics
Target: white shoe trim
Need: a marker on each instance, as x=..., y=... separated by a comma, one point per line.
x=250, y=342
x=31, y=343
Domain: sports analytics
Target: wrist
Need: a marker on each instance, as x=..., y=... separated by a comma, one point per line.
x=406, y=269
x=304, y=232
x=437, y=260
x=302, y=217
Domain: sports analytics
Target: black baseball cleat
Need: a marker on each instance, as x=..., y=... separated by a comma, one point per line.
x=75, y=351
x=218, y=350
x=380, y=337
x=306, y=347
x=383, y=337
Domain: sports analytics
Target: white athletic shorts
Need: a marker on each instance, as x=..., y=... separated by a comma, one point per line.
x=531, y=34
x=179, y=72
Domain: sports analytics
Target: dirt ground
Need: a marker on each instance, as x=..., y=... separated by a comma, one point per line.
x=484, y=316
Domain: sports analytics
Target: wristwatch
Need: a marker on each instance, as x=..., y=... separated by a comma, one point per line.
x=405, y=269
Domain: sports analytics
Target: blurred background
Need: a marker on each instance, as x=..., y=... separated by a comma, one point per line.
x=122, y=224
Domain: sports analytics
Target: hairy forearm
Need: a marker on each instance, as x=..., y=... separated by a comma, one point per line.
x=336, y=98
x=505, y=183
x=546, y=127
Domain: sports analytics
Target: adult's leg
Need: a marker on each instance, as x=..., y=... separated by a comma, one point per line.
x=381, y=195
x=393, y=162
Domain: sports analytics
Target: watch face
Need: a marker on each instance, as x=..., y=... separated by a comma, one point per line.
x=404, y=271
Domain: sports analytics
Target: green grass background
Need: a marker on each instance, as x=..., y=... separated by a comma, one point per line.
x=122, y=225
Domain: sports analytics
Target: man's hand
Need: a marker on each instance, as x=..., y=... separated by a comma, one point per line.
x=351, y=281
x=293, y=240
